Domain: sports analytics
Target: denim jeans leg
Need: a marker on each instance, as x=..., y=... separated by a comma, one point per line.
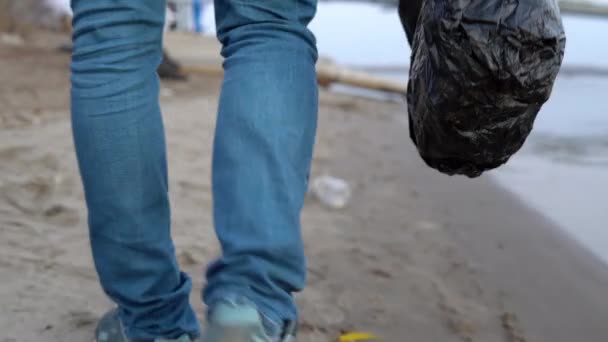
x=262, y=152
x=120, y=145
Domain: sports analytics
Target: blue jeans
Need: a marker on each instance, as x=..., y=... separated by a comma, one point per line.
x=262, y=153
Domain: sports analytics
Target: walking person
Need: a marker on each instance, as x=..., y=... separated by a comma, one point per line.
x=198, y=11
x=261, y=159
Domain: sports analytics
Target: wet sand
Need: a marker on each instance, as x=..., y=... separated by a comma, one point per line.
x=415, y=256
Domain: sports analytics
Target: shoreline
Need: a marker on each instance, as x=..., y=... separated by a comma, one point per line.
x=532, y=178
x=523, y=263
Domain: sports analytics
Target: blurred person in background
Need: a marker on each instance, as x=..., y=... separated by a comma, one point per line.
x=197, y=11
x=168, y=68
x=171, y=16
x=263, y=146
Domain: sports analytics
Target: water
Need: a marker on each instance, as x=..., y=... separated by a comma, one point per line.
x=562, y=171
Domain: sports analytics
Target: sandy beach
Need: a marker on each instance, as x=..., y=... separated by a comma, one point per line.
x=415, y=256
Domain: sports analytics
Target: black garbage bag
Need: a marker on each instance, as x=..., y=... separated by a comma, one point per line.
x=480, y=71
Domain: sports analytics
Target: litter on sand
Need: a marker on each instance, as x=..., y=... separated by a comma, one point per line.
x=357, y=336
x=332, y=192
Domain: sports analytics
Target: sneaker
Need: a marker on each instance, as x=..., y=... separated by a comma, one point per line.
x=110, y=329
x=229, y=322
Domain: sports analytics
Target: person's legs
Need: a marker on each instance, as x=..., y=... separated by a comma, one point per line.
x=120, y=145
x=262, y=153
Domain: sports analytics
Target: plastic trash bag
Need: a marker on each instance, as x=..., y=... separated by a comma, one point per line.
x=480, y=71
x=409, y=10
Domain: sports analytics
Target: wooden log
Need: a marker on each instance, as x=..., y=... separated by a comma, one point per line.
x=327, y=74
x=584, y=8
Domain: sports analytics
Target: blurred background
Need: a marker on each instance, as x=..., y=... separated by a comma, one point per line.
x=563, y=169
x=559, y=179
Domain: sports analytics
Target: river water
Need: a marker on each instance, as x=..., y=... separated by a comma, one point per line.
x=562, y=171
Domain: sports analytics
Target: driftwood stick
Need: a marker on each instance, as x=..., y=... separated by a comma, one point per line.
x=327, y=74
x=330, y=73
x=584, y=8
